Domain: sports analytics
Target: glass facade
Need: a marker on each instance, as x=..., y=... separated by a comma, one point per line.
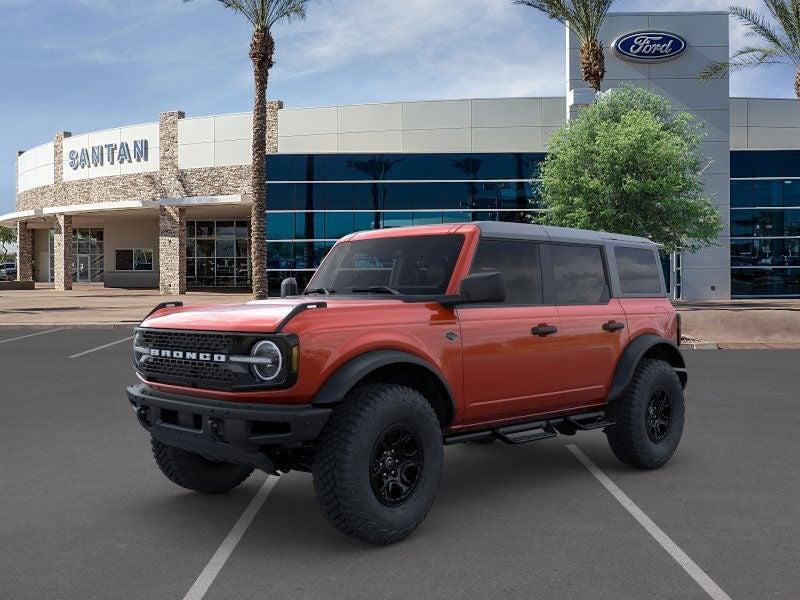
x=217, y=254
x=765, y=223
x=315, y=199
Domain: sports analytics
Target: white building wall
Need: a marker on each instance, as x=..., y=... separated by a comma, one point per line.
x=35, y=167
x=765, y=124
x=706, y=274
x=116, y=136
x=215, y=141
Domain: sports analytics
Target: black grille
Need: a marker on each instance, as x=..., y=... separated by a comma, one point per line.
x=197, y=373
x=191, y=341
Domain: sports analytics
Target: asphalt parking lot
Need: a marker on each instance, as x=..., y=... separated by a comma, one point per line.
x=85, y=513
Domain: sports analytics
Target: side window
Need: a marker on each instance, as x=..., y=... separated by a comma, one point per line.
x=638, y=271
x=580, y=277
x=519, y=264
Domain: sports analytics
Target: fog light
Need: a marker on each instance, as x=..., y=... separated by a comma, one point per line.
x=143, y=414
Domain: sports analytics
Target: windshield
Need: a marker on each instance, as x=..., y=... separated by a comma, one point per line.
x=419, y=265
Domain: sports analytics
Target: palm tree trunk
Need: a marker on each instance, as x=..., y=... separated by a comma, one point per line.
x=262, y=48
x=797, y=84
x=593, y=66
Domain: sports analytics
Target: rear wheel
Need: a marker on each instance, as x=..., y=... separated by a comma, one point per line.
x=378, y=463
x=648, y=418
x=193, y=472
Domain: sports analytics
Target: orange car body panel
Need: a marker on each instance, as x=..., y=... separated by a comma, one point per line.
x=497, y=370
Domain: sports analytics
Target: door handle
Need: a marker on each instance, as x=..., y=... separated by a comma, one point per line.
x=544, y=330
x=613, y=326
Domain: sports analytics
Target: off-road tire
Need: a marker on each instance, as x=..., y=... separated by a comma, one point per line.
x=193, y=472
x=343, y=456
x=628, y=437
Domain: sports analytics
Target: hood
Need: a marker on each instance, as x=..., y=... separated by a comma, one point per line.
x=262, y=316
x=253, y=317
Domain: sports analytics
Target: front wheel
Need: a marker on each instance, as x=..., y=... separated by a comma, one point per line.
x=193, y=472
x=648, y=418
x=378, y=463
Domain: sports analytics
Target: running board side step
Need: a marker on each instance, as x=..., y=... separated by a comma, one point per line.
x=533, y=431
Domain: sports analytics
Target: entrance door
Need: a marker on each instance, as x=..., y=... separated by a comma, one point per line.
x=83, y=268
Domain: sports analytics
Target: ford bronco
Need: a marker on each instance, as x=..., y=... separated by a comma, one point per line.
x=407, y=340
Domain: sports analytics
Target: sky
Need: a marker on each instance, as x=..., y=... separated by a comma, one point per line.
x=86, y=65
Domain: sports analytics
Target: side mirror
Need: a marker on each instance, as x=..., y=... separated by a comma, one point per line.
x=289, y=287
x=479, y=288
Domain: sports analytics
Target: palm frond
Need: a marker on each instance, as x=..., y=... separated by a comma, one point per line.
x=583, y=17
x=263, y=14
x=745, y=58
x=759, y=26
x=784, y=13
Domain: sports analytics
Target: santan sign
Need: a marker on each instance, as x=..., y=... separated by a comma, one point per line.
x=97, y=156
x=649, y=46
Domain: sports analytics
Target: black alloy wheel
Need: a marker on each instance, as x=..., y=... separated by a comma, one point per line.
x=659, y=415
x=396, y=465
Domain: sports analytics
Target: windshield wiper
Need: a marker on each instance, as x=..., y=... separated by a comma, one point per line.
x=375, y=289
x=319, y=291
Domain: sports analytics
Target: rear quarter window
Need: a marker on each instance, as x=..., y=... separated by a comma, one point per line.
x=638, y=271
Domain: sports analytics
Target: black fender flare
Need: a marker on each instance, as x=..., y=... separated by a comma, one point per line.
x=633, y=354
x=349, y=374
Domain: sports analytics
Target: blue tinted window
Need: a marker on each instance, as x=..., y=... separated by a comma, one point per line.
x=741, y=194
x=280, y=255
x=309, y=226
x=742, y=164
x=338, y=225
x=791, y=224
x=427, y=195
x=455, y=195
x=457, y=216
x=791, y=193
x=742, y=223
x=280, y=226
x=427, y=218
x=768, y=193
x=426, y=166
x=778, y=253
x=397, y=219
x=367, y=220
x=309, y=196
x=281, y=167
x=765, y=282
x=396, y=196
x=366, y=196
x=280, y=196
x=463, y=166
x=768, y=164
x=339, y=196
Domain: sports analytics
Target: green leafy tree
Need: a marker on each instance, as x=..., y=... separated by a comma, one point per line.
x=584, y=18
x=263, y=15
x=628, y=165
x=778, y=40
x=8, y=236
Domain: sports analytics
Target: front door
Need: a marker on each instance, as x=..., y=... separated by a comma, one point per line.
x=593, y=325
x=83, y=268
x=512, y=352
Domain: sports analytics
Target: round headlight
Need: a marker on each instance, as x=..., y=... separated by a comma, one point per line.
x=270, y=360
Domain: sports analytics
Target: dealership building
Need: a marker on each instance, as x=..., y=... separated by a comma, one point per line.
x=167, y=204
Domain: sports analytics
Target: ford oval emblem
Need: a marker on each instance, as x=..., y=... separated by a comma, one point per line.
x=649, y=46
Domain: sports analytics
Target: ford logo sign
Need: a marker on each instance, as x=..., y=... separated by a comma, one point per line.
x=649, y=46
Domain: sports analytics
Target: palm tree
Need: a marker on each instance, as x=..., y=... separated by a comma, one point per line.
x=262, y=15
x=584, y=19
x=780, y=41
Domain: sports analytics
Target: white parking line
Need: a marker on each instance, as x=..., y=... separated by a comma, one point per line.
x=22, y=337
x=214, y=566
x=688, y=565
x=101, y=347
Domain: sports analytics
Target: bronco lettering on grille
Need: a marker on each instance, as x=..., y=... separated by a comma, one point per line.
x=180, y=354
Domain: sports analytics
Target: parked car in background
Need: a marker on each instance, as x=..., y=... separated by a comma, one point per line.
x=406, y=340
x=8, y=271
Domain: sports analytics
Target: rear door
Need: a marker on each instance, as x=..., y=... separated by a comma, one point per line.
x=509, y=370
x=593, y=325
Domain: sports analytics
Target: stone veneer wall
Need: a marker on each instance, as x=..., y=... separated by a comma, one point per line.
x=62, y=251
x=171, y=250
x=24, y=252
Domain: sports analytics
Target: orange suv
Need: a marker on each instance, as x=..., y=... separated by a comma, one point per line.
x=407, y=340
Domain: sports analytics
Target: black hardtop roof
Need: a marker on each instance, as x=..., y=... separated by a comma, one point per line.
x=545, y=233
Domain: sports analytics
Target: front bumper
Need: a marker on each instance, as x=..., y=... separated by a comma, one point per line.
x=225, y=431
